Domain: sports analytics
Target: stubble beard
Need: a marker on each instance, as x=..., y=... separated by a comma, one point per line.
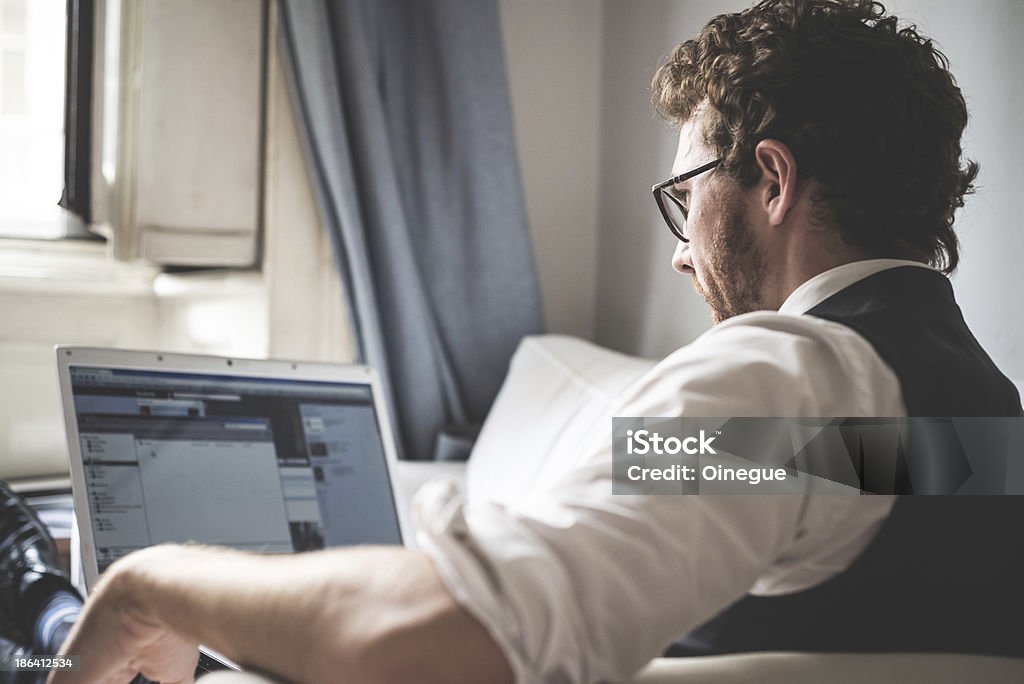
x=735, y=275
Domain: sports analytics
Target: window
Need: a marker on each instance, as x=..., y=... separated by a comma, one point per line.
x=32, y=91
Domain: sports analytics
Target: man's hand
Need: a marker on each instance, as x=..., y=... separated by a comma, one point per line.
x=116, y=640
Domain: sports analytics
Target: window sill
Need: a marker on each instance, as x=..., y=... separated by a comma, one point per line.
x=70, y=267
x=221, y=284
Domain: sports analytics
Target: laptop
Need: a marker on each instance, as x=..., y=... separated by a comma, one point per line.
x=263, y=456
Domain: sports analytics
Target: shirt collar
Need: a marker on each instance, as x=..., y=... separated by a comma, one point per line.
x=825, y=284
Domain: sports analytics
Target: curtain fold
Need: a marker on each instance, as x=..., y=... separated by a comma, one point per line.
x=407, y=125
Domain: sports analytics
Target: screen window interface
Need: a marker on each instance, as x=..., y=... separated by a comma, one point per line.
x=262, y=465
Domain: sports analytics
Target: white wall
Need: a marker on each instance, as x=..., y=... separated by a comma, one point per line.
x=308, y=317
x=58, y=294
x=552, y=49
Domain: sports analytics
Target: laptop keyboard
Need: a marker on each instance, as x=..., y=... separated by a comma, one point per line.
x=208, y=664
x=205, y=664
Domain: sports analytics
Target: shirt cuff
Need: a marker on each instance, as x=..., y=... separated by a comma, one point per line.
x=443, y=533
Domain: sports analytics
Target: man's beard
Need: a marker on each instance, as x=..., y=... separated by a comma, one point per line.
x=736, y=268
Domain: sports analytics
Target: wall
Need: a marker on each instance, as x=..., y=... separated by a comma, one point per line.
x=58, y=294
x=308, y=317
x=552, y=49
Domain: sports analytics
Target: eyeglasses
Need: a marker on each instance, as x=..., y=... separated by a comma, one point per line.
x=672, y=209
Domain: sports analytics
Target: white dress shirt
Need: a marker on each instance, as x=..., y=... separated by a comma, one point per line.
x=578, y=585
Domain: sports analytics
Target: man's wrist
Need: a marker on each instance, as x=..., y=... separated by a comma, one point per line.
x=129, y=584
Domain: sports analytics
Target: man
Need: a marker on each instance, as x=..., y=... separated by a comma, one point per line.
x=817, y=175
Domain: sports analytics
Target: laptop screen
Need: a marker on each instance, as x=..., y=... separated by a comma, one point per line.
x=259, y=464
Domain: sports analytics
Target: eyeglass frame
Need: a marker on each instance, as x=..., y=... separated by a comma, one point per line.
x=659, y=192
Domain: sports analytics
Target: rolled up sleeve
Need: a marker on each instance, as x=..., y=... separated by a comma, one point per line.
x=573, y=591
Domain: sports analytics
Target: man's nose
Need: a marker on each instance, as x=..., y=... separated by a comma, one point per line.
x=681, y=258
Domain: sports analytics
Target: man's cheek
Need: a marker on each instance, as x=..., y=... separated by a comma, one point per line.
x=697, y=284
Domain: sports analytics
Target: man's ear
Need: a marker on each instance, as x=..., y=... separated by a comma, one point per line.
x=777, y=189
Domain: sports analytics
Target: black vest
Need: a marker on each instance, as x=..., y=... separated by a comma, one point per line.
x=944, y=573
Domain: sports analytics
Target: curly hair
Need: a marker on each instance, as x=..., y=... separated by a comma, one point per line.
x=868, y=108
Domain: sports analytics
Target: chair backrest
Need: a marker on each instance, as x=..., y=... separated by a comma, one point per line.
x=557, y=398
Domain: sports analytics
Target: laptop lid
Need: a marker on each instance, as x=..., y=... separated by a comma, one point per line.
x=266, y=456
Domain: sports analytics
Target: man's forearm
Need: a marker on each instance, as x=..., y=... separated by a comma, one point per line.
x=362, y=614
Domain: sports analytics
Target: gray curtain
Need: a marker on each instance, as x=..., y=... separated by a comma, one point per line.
x=405, y=112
